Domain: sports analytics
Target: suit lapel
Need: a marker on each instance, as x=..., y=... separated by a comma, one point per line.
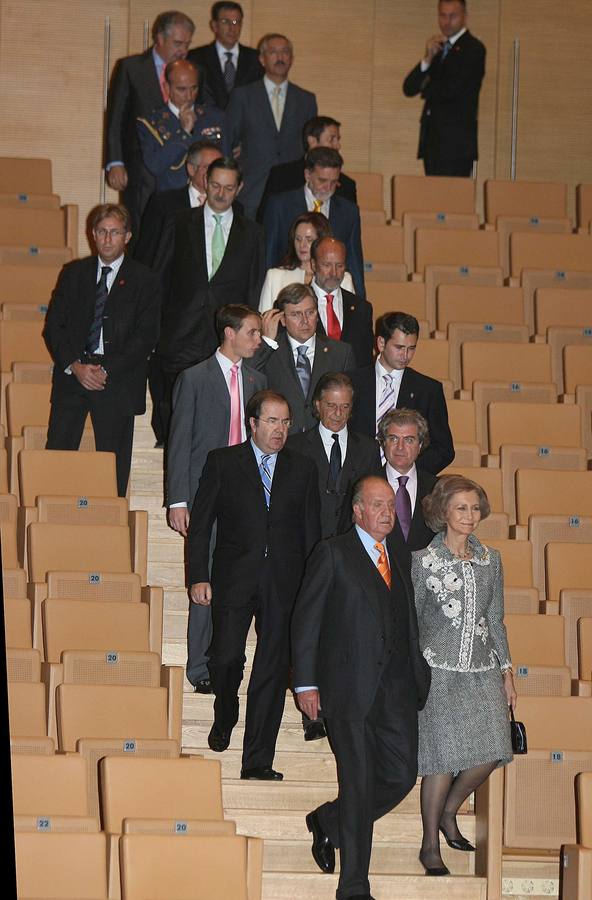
x=233, y=245
x=286, y=358
x=406, y=391
x=242, y=64
x=219, y=386
x=150, y=81
x=197, y=238
x=322, y=359
x=248, y=464
x=262, y=101
x=248, y=376
x=118, y=296
x=366, y=573
x=320, y=457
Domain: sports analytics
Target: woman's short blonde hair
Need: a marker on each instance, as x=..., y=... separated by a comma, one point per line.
x=435, y=505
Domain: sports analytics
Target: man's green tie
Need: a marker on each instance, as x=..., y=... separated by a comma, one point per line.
x=218, y=245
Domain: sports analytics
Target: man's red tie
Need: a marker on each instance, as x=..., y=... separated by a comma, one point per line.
x=333, y=326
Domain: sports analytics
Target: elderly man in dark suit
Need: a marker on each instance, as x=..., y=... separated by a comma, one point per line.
x=449, y=80
x=320, y=131
x=295, y=362
x=391, y=383
x=322, y=170
x=101, y=326
x=265, y=501
x=209, y=256
x=356, y=656
x=209, y=400
x=137, y=87
x=403, y=434
x=226, y=63
x=266, y=118
x=342, y=315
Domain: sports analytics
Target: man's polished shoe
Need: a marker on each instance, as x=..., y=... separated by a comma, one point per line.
x=434, y=870
x=323, y=851
x=203, y=687
x=218, y=739
x=313, y=731
x=460, y=843
x=261, y=773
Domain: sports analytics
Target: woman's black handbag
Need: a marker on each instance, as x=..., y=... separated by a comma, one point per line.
x=518, y=731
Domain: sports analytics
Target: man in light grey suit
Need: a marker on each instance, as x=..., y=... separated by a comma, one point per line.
x=209, y=400
x=266, y=119
x=295, y=361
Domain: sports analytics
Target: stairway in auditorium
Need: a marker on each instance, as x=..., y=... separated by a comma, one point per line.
x=276, y=812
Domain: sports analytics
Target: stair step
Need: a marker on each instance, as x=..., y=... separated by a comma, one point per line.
x=198, y=707
x=290, y=737
x=302, y=766
x=289, y=885
x=294, y=796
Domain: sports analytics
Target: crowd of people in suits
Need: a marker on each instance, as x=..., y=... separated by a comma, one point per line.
x=302, y=450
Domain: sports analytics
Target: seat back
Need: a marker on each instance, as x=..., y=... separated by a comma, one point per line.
x=369, y=189
x=533, y=199
x=91, y=625
x=166, y=865
x=566, y=307
x=106, y=711
x=556, y=252
x=183, y=788
x=540, y=492
x=66, y=472
x=58, y=547
x=30, y=282
x=585, y=648
x=21, y=340
x=462, y=420
x=487, y=304
x=462, y=247
x=71, y=866
x=489, y=479
x=26, y=709
x=536, y=640
x=49, y=785
x=432, y=358
x=27, y=404
x=23, y=664
x=516, y=560
x=103, y=586
x=584, y=207
x=420, y=193
x=113, y=667
x=76, y=510
x=538, y=424
x=567, y=566
x=504, y=361
x=577, y=366
x=383, y=244
x=22, y=227
x=390, y=296
x=574, y=605
x=25, y=176
x=584, y=808
x=460, y=333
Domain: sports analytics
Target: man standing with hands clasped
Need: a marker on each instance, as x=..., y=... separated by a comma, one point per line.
x=355, y=656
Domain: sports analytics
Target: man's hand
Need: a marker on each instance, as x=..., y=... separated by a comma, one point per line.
x=187, y=118
x=308, y=703
x=270, y=321
x=179, y=519
x=91, y=377
x=117, y=178
x=433, y=47
x=201, y=593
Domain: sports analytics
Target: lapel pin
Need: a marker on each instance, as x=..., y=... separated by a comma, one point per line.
x=412, y=395
x=325, y=349
x=121, y=282
x=352, y=308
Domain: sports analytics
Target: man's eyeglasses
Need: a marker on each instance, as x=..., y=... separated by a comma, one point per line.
x=230, y=21
x=273, y=421
x=111, y=232
x=301, y=315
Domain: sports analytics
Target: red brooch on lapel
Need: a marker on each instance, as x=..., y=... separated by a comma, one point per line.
x=121, y=282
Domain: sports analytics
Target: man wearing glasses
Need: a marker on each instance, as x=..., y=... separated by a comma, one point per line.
x=295, y=360
x=101, y=326
x=265, y=502
x=226, y=63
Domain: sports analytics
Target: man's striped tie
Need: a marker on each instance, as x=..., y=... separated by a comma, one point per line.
x=266, y=477
x=387, y=398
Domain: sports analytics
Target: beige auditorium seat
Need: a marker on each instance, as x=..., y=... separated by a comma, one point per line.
x=20, y=341
x=461, y=418
x=3, y=469
x=508, y=225
x=567, y=567
x=542, y=426
x=574, y=605
x=32, y=373
x=559, y=337
x=369, y=190
x=23, y=665
x=577, y=375
x=435, y=220
x=420, y=193
x=8, y=529
x=393, y=296
x=30, y=282
x=183, y=788
x=35, y=746
x=48, y=786
x=68, y=866
x=584, y=206
x=165, y=865
x=585, y=648
x=533, y=280
x=17, y=609
x=432, y=358
x=384, y=257
x=552, y=252
x=485, y=305
x=496, y=524
x=26, y=709
x=23, y=227
x=460, y=333
x=44, y=256
x=560, y=306
x=25, y=176
x=539, y=801
x=520, y=595
x=537, y=649
x=25, y=312
x=576, y=859
x=15, y=199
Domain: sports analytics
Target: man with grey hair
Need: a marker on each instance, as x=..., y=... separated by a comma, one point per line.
x=137, y=87
x=403, y=434
x=266, y=118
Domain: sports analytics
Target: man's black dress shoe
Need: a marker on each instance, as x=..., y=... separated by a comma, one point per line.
x=218, y=739
x=460, y=843
x=203, y=687
x=314, y=730
x=434, y=870
x=323, y=851
x=261, y=773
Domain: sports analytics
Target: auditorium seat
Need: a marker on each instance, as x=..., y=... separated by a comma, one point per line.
x=433, y=220
x=24, y=175
x=574, y=604
x=70, y=866
x=537, y=649
x=432, y=358
x=461, y=418
x=560, y=306
x=551, y=252
x=559, y=337
x=24, y=227
x=48, y=786
x=390, y=296
x=369, y=190
x=560, y=493
x=166, y=865
x=533, y=280
x=384, y=258
x=420, y=193
x=3, y=470
x=577, y=375
x=28, y=282
x=45, y=256
x=26, y=709
x=584, y=207
x=514, y=456
x=466, y=247
x=15, y=199
x=520, y=595
x=25, y=312
x=567, y=567
x=459, y=333
x=525, y=199
x=576, y=859
x=487, y=305
x=538, y=425
x=585, y=648
x=32, y=372
x=20, y=341
x=23, y=664
x=17, y=609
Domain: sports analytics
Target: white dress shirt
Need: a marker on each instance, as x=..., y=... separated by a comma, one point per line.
x=311, y=199
x=270, y=87
x=310, y=345
x=195, y=198
x=322, y=303
x=397, y=375
x=210, y=224
x=328, y=442
x=392, y=477
x=222, y=51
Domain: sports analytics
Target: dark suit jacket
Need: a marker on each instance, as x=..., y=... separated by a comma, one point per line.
x=339, y=631
x=290, y=176
x=417, y=392
x=231, y=493
x=362, y=458
x=206, y=57
x=450, y=88
x=200, y=422
x=253, y=127
x=188, y=335
x=130, y=331
x=344, y=218
x=280, y=369
x=419, y=533
x=357, y=327
x=159, y=208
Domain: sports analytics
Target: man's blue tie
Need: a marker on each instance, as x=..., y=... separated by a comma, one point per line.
x=266, y=477
x=446, y=50
x=92, y=342
x=303, y=369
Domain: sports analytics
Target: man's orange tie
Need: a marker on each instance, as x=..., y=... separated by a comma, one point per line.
x=383, y=564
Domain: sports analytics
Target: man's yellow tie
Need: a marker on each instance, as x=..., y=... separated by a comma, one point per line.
x=383, y=564
x=317, y=205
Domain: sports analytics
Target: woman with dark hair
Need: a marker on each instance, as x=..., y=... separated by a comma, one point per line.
x=295, y=266
x=464, y=729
